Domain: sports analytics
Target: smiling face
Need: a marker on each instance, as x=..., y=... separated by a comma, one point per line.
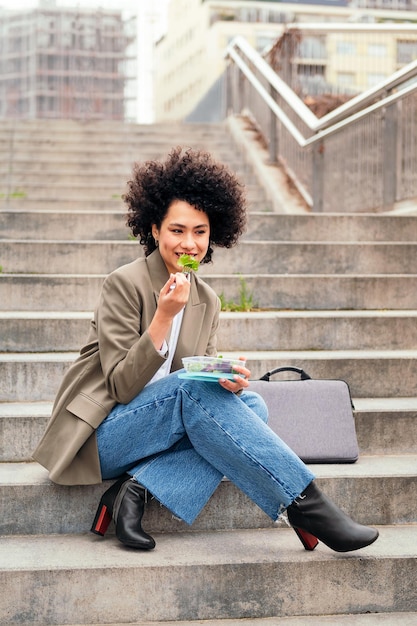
x=184, y=230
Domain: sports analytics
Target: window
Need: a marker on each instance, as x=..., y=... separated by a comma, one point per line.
x=313, y=48
x=406, y=51
x=346, y=48
x=377, y=50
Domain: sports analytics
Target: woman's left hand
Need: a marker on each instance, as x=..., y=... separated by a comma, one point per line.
x=241, y=380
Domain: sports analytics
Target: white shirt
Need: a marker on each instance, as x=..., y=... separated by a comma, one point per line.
x=170, y=348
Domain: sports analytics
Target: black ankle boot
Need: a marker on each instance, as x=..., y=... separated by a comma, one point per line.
x=104, y=511
x=314, y=514
x=128, y=510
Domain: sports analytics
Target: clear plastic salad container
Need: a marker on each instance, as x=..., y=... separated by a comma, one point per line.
x=210, y=364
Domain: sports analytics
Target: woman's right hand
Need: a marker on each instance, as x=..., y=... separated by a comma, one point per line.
x=172, y=299
x=174, y=294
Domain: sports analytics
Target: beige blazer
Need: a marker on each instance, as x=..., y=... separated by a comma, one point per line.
x=117, y=361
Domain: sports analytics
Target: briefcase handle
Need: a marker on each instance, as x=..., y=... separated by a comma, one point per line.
x=287, y=368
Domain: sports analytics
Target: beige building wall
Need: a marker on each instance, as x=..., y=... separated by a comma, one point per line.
x=359, y=63
x=189, y=58
x=181, y=64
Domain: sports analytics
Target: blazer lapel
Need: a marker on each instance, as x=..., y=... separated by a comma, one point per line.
x=157, y=271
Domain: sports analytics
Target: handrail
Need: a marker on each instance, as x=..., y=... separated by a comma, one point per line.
x=380, y=90
x=407, y=72
x=273, y=79
x=362, y=153
x=360, y=114
x=299, y=107
x=269, y=100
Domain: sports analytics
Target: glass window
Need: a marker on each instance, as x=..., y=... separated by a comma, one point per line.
x=313, y=48
x=377, y=50
x=406, y=51
x=346, y=48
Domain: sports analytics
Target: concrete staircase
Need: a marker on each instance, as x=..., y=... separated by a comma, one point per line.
x=337, y=296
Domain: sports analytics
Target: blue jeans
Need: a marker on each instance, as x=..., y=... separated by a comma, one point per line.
x=179, y=437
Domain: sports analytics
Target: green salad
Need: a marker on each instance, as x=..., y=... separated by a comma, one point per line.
x=188, y=263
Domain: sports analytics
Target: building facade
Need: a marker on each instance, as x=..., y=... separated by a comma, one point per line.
x=65, y=63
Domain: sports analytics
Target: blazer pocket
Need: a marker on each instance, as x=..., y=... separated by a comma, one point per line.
x=88, y=410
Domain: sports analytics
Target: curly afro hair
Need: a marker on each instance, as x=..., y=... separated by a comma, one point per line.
x=194, y=177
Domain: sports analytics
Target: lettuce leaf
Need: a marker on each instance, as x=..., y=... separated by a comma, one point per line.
x=188, y=263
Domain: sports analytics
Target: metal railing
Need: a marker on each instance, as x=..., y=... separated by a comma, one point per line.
x=362, y=156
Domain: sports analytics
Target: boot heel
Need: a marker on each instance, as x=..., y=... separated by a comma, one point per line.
x=308, y=540
x=104, y=512
x=102, y=520
x=324, y=520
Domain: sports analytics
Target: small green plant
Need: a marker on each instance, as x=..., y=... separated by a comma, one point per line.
x=18, y=194
x=246, y=301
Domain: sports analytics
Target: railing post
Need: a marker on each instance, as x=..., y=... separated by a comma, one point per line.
x=273, y=138
x=318, y=176
x=390, y=156
x=229, y=89
x=240, y=92
x=232, y=97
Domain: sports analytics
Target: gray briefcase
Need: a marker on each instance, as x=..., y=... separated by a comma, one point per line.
x=313, y=417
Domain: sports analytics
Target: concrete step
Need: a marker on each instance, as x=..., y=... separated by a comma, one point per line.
x=129, y=135
x=383, y=426
x=61, y=168
x=71, y=131
x=17, y=200
x=255, y=257
x=88, y=193
x=389, y=482
x=386, y=425
x=94, y=149
x=332, y=227
x=55, y=292
x=136, y=148
x=20, y=171
x=23, y=224
x=80, y=225
x=82, y=579
x=38, y=331
x=378, y=373
x=84, y=184
x=27, y=126
x=94, y=154
x=351, y=619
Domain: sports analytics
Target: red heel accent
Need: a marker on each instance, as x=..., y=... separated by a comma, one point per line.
x=104, y=512
x=101, y=520
x=308, y=540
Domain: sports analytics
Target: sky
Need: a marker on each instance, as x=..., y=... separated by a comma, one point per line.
x=150, y=26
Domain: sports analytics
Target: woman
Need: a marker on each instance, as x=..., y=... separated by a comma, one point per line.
x=122, y=410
